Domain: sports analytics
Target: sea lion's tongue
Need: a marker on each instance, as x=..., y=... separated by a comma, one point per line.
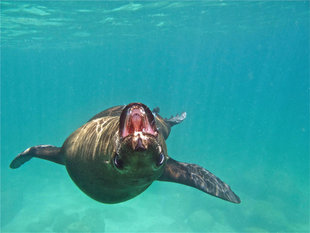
x=136, y=122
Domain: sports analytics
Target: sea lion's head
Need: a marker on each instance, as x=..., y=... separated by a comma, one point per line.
x=140, y=152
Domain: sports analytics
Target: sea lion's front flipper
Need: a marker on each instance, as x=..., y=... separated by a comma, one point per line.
x=47, y=152
x=198, y=177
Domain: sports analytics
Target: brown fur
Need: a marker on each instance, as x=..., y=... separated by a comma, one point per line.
x=88, y=155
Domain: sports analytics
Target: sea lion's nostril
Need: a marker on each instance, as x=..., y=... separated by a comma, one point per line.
x=140, y=146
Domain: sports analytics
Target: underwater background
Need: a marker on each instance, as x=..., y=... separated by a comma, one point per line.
x=240, y=69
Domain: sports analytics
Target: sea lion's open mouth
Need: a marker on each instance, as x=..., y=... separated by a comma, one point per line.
x=137, y=120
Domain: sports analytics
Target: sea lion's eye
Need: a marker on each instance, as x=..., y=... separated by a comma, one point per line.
x=118, y=162
x=161, y=159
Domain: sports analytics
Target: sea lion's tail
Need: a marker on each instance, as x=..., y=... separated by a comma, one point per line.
x=47, y=152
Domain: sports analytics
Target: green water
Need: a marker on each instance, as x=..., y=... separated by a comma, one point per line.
x=240, y=69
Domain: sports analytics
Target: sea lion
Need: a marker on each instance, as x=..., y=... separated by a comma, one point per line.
x=119, y=152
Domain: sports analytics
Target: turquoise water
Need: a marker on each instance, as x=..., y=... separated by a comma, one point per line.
x=239, y=69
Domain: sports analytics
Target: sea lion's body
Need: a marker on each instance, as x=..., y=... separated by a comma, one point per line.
x=88, y=154
x=119, y=152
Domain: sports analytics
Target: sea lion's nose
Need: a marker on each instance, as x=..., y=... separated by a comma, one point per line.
x=139, y=146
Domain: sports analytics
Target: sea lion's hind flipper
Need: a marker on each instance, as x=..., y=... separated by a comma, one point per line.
x=198, y=177
x=156, y=110
x=47, y=152
x=174, y=120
